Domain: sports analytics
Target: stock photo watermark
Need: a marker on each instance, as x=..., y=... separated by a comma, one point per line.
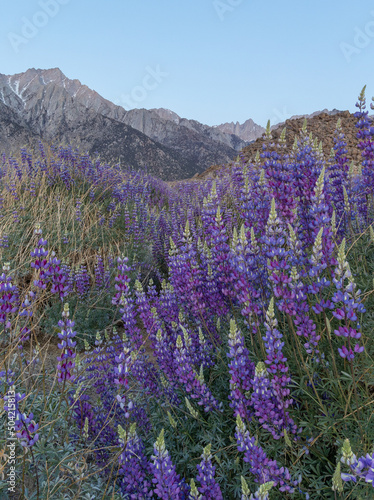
x=151, y=80
x=224, y=7
x=32, y=26
x=279, y=116
x=11, y=441
x=362, y=38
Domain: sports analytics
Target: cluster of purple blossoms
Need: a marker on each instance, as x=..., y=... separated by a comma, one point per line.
x=25, y=427
x=262, y=467
x=82, y=282
x=209, y=488
x=9, y=297
x=26, y=430
x=276, y=363
x=241, y=369
x=168, y=483
x=193, y=383
x=122, y=380
x=134, y=466
x=360, y=468
x=347, y=304
x=338, y=178
x=49, y=271
x=366, y=136
x=124, y=299
x=66, y=364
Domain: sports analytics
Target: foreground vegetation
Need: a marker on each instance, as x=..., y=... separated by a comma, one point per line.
x=215, y=338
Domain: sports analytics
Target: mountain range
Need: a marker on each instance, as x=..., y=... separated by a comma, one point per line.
x=46, y=105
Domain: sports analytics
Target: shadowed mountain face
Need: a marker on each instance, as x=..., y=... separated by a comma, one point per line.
x=44, y=104
x=14, y=130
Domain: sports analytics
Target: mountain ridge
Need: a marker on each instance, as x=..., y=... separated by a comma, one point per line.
x=54, y=107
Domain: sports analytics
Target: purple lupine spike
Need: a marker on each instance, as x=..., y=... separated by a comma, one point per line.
x=191, y=380
x=58, y=277
x=168, y=483
x=122, y=371
x=320, y=218
x=220, y=252
x=82, y=282
x=209, y=488
x=99, y=274
x=9, y=297
x=134, y=466
x=25, y=427
x=365, y=135
x=125, y=300
x=26, y=430
x=261, y=466
x=78, y=212
x=276, y=363
x=241, y=369
x=338, y=176
x=361, y=468
x=347, y=304
x=265, y=403
x=66, y=364
x=40, y=261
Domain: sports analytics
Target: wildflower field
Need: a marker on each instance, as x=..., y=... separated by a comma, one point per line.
x=208, y=340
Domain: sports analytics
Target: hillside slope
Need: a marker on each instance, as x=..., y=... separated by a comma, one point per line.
x=322, y=126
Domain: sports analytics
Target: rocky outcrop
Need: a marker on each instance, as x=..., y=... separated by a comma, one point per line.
x=248, y=131
x=322, y=126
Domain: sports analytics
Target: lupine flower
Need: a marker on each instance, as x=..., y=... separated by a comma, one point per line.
x=122, y=374
x=361, y=468
x=337, y=484
x=82, y=282
x=260, y=465
x=134, y=466
x=190, y=380
x=124, y=299
x=261, y=494
x=26, y=430
x=25, y=427
x=168, y=483
x=241, y=370
x=366, y=144
x=9, y=297
x=58, y=277
x=276, y=365
x=66, y=364
x=209, y=488
x=347, y=302
x=194, y=494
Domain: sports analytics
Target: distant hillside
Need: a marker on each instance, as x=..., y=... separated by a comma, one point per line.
x=322, y=126
x=249, y=130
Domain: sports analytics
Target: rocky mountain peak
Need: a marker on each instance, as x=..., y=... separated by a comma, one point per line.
x=56, y=108
x=248, y=131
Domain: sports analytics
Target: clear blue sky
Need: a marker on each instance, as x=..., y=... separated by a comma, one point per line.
x=220, y=61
